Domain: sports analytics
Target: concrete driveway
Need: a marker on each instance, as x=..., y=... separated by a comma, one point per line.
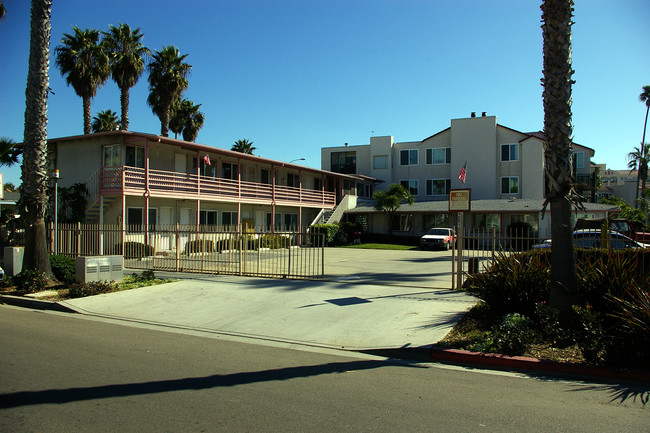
x=370, y=299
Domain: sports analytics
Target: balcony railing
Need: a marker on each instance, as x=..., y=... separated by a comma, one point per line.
x=133, y=180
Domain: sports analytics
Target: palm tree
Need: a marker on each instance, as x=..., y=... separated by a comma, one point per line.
x=557, y=81
x=34, y=167
x=9, y=153
x=643, y=169
x=243, y=146
x=126, y=55
x=105, y=121
x=3, y=11
x=167, y=81
x=390, y=200
x=83, y=62
x=186, y=119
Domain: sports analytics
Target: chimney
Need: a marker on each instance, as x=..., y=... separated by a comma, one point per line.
x=346, y=144
x=473, y=113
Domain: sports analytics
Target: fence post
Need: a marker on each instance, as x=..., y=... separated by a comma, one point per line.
x=289, y=263
x=79, y=239
x=178, y=244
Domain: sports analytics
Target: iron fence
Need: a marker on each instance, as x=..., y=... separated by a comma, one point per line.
x=192, y=248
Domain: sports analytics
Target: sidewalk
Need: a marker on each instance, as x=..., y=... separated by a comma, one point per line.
x=353, y=316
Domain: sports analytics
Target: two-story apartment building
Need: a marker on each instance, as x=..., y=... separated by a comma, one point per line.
x=137, y=179
x=504, y=170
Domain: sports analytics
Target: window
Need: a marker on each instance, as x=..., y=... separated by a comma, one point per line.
x=440, y=155
x=134, y=156
x=208, y=217
x=402, y=222
x=293, y=180
x=510, y=152
x=290, y=221
x=266, y=176
x=229, y=218
x=318, y=183
x=344, y=162
x=278, y=220
x=411, y=185
x=487, y=221
x=435, y=220
x=438, y=186
x=578, y=160
x=510, y=185
x=112, y=156
x=135, y=218
x=230, y=171
x=364, y=190
x=408, y=157
x=380, y=161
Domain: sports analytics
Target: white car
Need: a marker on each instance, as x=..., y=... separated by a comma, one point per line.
x=438, y=238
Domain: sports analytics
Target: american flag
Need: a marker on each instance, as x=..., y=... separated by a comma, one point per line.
x=206, y=158
x=463, y=173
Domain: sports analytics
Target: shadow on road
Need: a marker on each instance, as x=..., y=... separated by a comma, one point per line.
x=58, y=396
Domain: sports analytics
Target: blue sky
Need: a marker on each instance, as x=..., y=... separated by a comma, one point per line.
x=298, y=75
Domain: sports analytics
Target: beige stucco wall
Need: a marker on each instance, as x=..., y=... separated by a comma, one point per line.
x=532, y=160
x=474, y=140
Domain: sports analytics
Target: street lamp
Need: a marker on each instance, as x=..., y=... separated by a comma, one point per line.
x=55, y=176
x=297, y=159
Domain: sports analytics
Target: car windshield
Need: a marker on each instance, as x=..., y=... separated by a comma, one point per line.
x=442, y=232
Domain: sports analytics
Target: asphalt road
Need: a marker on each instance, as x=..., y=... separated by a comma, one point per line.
x=65, y=373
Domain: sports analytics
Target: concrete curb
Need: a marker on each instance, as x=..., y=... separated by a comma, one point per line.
x=37, y=304
x=497, y=361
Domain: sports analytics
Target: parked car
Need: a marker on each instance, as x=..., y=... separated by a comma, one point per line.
x=438, y=238
x=593, y=239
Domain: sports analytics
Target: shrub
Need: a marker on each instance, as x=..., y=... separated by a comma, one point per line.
x=63, y=268
x=632, y=311
x=80, y=290
x=329, y=230
x=274, y=241
x=513, y=334
x=199, y=246
x=30, y=281
x=133, y=250
x=589, y=333
x=146, y=275
x=514, y=283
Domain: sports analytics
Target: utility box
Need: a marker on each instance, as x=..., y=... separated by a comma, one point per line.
x=13, y=260
x=98, y=268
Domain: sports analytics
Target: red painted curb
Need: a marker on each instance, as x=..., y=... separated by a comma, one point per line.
x=457, y=356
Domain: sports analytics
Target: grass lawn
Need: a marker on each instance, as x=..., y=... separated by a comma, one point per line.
x=380, y=247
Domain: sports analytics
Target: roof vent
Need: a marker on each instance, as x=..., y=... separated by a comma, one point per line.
x=483, y=114
x=473, y=113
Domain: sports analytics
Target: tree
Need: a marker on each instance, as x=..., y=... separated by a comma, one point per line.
x=638, y=160
x=167, y=80
x=557, y=81
x=3, y=11
x=9, y=153
x=243, y=146
x=105, y=121
x=643, y=169
x=34, y=167
x=186, y=119
x=83, y=62
x=126, y=55
x=73, y=202
x=390, y=200
x=10, y=187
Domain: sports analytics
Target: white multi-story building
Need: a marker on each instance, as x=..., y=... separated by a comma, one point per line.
x=504, y=170
x=619, y=183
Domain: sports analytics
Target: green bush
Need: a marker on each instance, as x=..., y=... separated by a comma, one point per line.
x=199, y=246
x=133, y=250
x=30, y=281
x=514, y=283
x=146, y=275
x=63, y=268
x=274, y=242
x=329, y=230
x=631, y=310
x=590, y=334
x=513, y=335
x=80, y=290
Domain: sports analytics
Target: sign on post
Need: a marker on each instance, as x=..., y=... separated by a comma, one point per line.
x=459, y=200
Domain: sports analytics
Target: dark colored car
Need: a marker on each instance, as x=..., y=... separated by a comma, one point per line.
x=593, y=239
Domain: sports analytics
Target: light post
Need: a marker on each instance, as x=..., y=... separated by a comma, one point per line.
x=55, y=175
x=297, y=159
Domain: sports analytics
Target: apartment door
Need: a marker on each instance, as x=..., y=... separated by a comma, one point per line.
x=184, y=221
x=164, y=234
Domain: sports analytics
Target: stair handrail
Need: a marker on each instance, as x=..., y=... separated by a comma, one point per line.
x=348, y=202
x=92, y=186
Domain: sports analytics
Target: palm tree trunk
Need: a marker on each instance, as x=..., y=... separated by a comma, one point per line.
x=34, y=167
x=556, y=30
x=87, y=115
x=124, y=102
x=164, y=122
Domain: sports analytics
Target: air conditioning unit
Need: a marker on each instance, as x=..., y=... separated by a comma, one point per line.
x=98, y=268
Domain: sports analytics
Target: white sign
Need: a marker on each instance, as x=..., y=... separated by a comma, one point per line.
x=459, y=200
